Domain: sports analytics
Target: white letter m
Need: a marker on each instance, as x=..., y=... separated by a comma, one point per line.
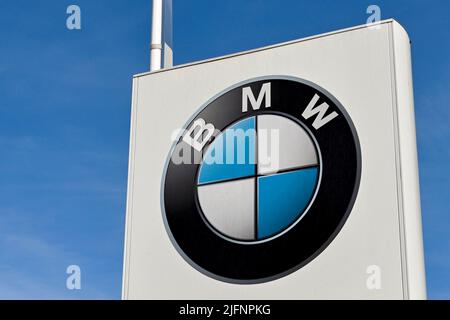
x=247, y=95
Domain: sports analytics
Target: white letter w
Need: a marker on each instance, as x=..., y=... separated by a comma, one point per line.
x=321, y=110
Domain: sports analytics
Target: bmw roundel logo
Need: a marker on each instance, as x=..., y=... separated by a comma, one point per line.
x=261, y=179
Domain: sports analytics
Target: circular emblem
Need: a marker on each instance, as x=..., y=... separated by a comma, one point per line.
x=261, y=180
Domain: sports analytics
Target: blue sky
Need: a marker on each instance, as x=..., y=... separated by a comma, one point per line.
x=65, y=109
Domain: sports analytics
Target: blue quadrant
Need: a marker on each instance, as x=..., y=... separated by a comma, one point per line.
x=282, y=198
x=231, y=155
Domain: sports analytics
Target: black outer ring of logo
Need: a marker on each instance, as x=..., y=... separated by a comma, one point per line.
x=233, y=262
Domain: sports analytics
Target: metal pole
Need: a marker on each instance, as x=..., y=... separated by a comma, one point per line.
x=156, y=41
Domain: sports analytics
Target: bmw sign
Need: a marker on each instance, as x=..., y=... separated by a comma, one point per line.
x=278, y=173
x=285, y=172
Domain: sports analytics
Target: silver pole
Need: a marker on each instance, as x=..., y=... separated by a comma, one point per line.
x=156, y=42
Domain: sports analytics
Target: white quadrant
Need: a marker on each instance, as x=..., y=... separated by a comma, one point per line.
x=230, y=207
x=282, y=145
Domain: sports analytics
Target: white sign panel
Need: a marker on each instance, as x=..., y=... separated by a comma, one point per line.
x=288, y=172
